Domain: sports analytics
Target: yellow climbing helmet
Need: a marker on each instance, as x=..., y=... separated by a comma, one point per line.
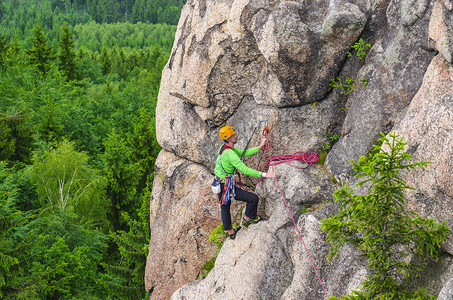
x=226, y=132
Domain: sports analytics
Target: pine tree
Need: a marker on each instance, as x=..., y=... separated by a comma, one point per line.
x=41, y=54
x=7, y=192
x=121, y=178
x=2, y=10
x=3, y=48
x=395, y=241
x=144, y=147
x=127, y=276
x=66, y=55
x=16, y=141
x=7, y=144
x=105, y=61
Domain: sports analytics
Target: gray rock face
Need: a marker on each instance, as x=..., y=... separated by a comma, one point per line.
x=282, y=267
x=183, y=211
x=224, y=53
x=394, y=71
x=447, y=292
x=428, y=130
x=244, y=62
x=441, y=29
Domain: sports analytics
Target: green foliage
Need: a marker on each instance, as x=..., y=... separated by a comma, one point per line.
x=322, y=157
x=66, y=56
x=303, y=210
x=78, y=114
x=105, y=61
x=7, y=145
x=144, y=147
x=8, y=194
x=345, y=88
x=20, y=17
x=327, y=146
x=15, y=138
x=66, y=183
x=207, y=267
x=127, y=277
x=121, y=177
x=58, y=257
x=364, y=82
x=360, y=48
x=49, y=127
x=217, y=236
x=41, y=54
x=3, y=48
x=378, y=224
x=93, y=36
x=420, y=294
x=332, y=140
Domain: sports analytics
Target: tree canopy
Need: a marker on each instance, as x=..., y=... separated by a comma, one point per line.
x=78, y=145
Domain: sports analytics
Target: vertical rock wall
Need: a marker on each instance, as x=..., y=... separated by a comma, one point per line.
x=238, y=62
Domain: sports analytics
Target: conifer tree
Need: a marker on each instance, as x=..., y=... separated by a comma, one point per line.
x=66, y=55
x=127, y=275
x=7, y=145
x=121, y=178
x=3, y=49
x=41, y=54
x=105, y=61
x=2, y=10
x=133, y=243
x=395, y=241
x=144, y=147
x=17, y=137
x=7, y=191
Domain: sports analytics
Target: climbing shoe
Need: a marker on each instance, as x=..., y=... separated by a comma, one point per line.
x=233, y=235
x=251, y=221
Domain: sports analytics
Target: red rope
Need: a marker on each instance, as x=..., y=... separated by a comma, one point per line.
x=311, y=157
x=306, y=158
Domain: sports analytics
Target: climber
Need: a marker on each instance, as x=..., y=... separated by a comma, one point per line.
x=228, y=160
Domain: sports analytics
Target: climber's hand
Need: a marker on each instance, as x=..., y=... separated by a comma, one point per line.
x=262, y=145
x=270, y=174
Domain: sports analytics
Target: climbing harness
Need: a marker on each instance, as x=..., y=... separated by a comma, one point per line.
x=228, y=189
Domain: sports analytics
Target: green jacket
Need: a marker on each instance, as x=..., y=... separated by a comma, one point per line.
x=230, y=160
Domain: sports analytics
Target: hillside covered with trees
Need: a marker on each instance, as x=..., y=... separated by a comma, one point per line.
x=78, y=89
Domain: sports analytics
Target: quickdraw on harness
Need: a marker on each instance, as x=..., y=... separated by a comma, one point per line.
x=228, y=189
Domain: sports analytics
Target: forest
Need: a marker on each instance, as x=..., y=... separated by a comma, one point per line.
x=78, y=88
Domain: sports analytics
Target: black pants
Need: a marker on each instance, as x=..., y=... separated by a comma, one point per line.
x=250, y=209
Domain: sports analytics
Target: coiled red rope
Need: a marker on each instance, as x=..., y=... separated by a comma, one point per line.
x=300, y=156
x=306, y=158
